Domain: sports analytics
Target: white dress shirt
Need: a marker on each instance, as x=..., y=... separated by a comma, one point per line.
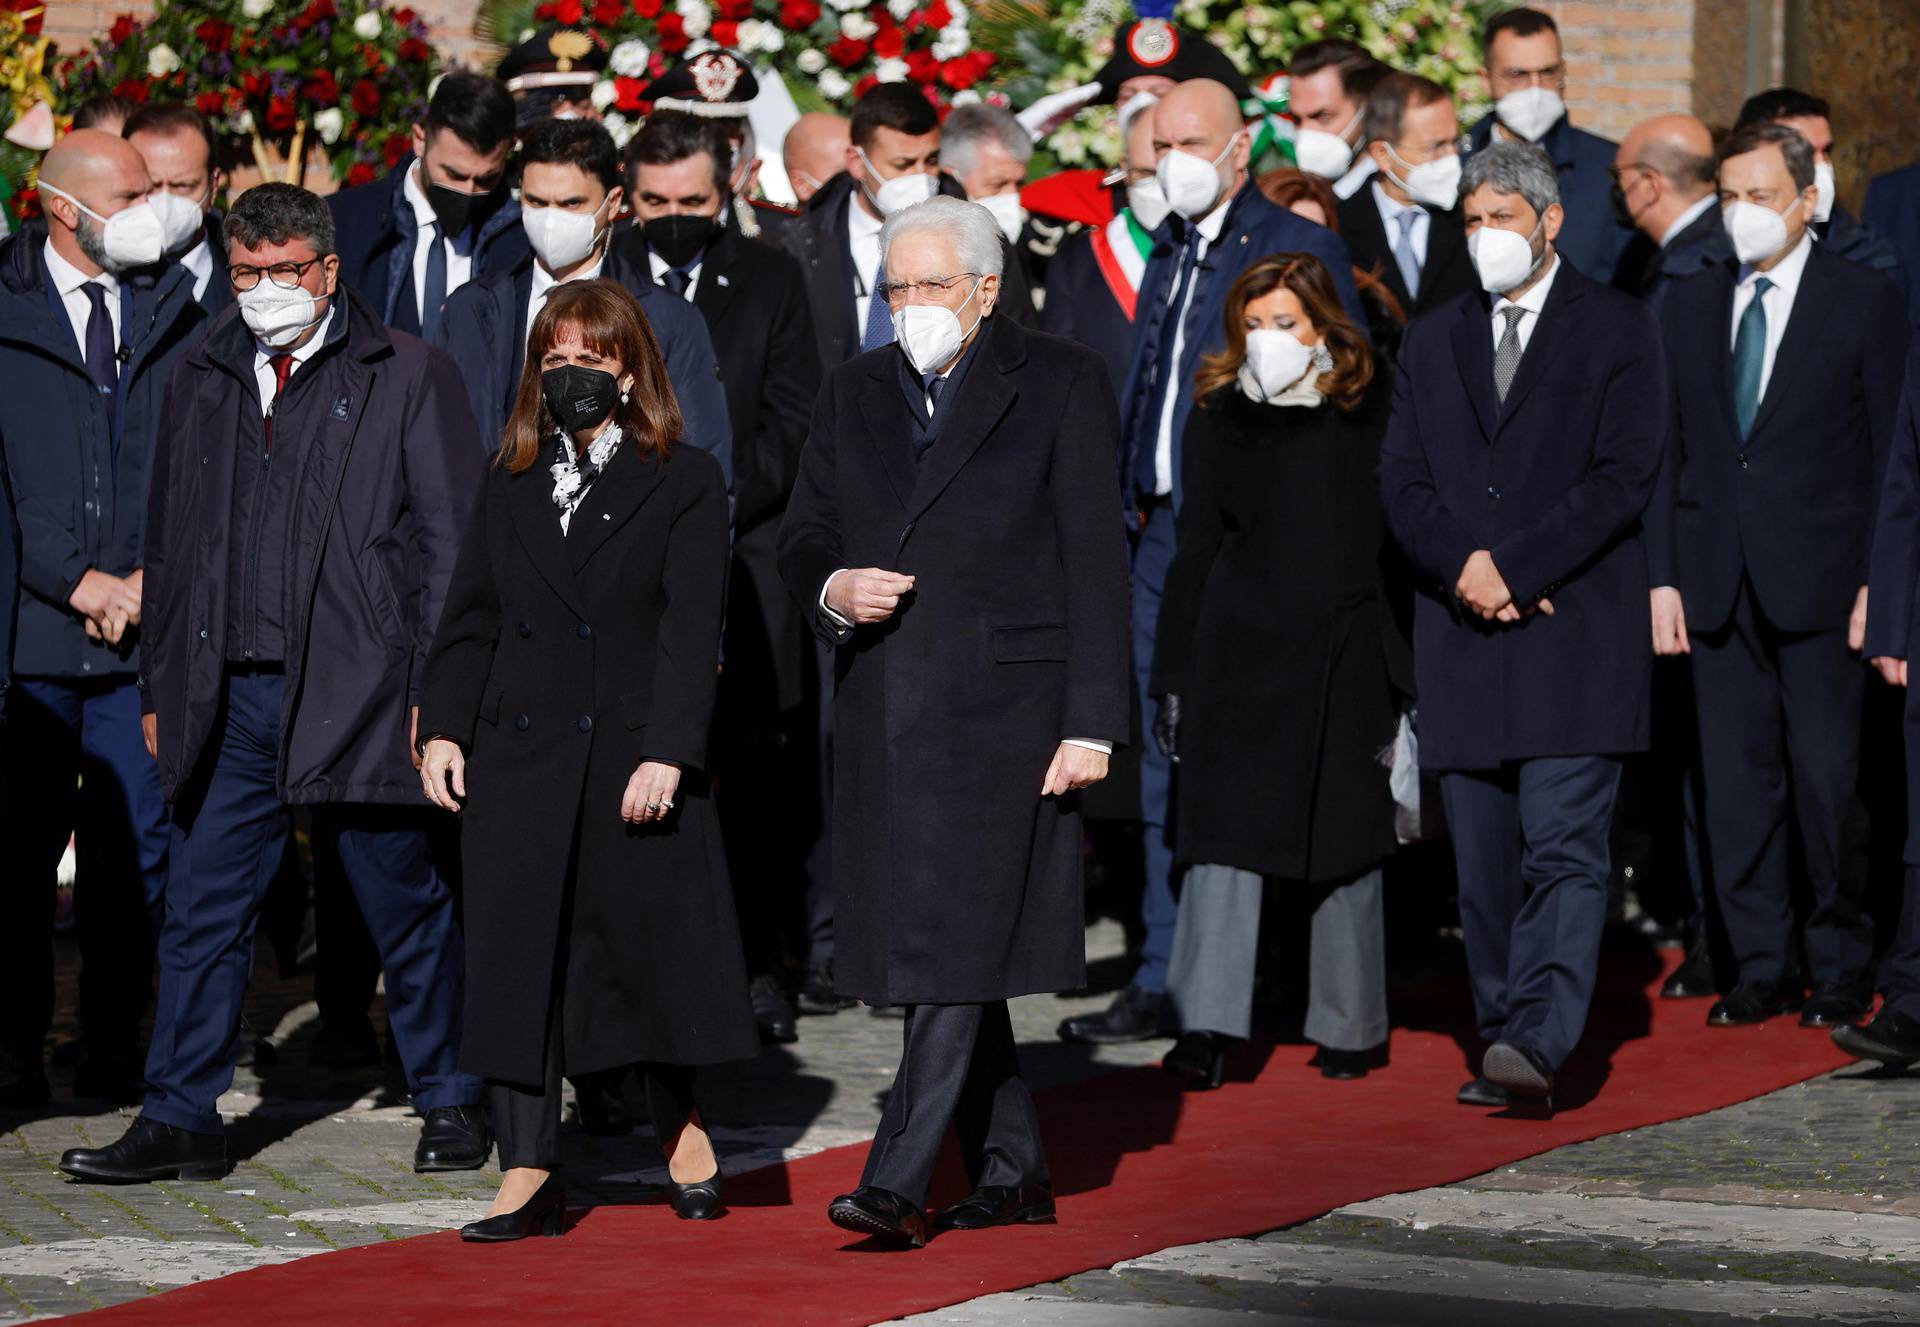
x=459, y=265
x=543, y=284
x=263, y=375
x=863, y=238
x=1390, y=217
x=67, y=281
x=199, y=263
x=660, y=267
x=1688, y=217
x=1785, y=276
x=1209, y=227
x=1533, y=301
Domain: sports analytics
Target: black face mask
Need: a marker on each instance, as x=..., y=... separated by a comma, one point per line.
x=455, y=211
x=680, y=239
x=580, y=398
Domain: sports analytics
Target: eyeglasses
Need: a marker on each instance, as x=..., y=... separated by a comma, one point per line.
x=896, y=292
x=284, y=275
x=1618, y=173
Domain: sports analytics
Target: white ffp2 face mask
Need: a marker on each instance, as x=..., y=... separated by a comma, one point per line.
x=1192, y=185
x=135, y=236
x=1757, y=232
x=560, y=238
x=1276, y=360
x=277, y=317
x=1530, y=112
x=1433, y=183
x=182, y=221
x=899, y=193
x=1007, y=213
x=930, y=334
x=1148, y=203
x=1824, y=190
x=1504, y=258
x=1320, y=153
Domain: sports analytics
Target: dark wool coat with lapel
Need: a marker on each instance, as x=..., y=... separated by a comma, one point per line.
x=562, y=662
x=1894, y=588
x=954, y=880
x=390, y=468
x=1552, y=482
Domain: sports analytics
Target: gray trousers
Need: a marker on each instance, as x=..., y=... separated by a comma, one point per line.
x=1217, y=945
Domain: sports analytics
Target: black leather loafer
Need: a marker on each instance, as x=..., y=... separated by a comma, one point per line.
x=1836, y=1006
x=993, y=1205
x=1891, y=1039
x=1521, y=1070
x=1693, y=979
x=148, y=1151
x=1134, y=1015
x=1753, y=1002
x=880, y=1214
x=453, y=1138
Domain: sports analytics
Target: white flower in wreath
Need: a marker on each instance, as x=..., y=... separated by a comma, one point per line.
x=891, y=71
x=811, y=61
x=241, y=121
x=629, y=59
x=900, y=9
x=256, y=8
x=834, y=85
x=367, y=26
x=858, y=26
x=604, y=94
x=696, y=15
x=966, y=98
x=951, y=45
x=848, y=6
x=619, y=126
x=329, y=123
x=760, y=35
x=161, y=61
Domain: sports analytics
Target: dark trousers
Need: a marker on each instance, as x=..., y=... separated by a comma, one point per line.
x=1900, y=967
x=1531, y=843
x=77, y=765
x=958, y=1067
x=1780, y=727
x=228, y=835
x=1159, y=906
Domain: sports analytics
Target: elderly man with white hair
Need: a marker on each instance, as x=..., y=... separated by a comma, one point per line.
x=954, y=536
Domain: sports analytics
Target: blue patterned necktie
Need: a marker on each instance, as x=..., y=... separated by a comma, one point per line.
x=879, y=321
x=1404, y=254
x=1749, y=356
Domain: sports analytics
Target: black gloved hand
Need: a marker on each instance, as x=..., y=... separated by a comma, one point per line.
x=1166, y=727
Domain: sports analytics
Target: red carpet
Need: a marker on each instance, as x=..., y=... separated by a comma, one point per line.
x=1139, y=1167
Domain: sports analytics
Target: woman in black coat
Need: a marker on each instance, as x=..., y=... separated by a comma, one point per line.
x=1281, y=670
x=564, y=715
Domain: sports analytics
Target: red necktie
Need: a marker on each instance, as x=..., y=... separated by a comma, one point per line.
x=282, y=370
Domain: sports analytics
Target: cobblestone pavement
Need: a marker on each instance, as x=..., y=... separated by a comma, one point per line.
x=1799, y=1207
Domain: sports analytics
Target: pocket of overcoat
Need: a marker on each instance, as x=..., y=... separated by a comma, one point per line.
x=490, y=703
x=1035, y=644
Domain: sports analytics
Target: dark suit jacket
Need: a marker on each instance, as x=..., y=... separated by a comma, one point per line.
x=1648, y=270
x=1448, y=272
x=1591, y=238
x=219, y=291
x=819, y=239
x=1254, y=228
x=1552, y=483
x=1894, y=578
x=1081, y=305
x=1790, y=507
x=1846, y=237
x=954, y=880
x=1893, y=211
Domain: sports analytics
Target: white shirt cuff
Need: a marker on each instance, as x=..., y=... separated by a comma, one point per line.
x=831, y=615
x=1091, y=744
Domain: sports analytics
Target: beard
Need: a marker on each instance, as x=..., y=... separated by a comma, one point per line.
x=93, y=243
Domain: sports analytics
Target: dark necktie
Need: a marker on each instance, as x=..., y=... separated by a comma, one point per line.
x=879, y=321
x=102, y=366
x=1506, y=355
x=1146, y=478
x=1749, y=356
x=933, y=385
x=436, y=292
x=676, y=281
x=282, y=369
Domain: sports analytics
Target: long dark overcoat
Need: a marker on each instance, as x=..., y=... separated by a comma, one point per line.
x=1894, y=588
x=954, y=880
x=1274, y=632
x=562, y=662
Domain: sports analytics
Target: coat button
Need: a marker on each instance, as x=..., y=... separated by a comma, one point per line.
x=526, y=631
x=583, y=631
x=1493, y=492
x=1743, y=460
x=904, y=533
x=521, y=722
x=203, y=633
x=586, y=723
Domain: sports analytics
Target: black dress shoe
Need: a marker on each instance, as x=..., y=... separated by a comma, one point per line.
x=999, y=1205
x=817, y=995
x=1481, y=1092
x=1198, y=1059
x=1521, y=1070
x=1350, y=1064
x=545, y=1212
x=772, y=1015
x=1753, y=1002
x=453, y=1138
x=26, y=1090
x=696, y=1202
x=880, y=1214
x=1891, y=1039
x=1134, y=1015
x=150, y=1150
x=1693, y=979
x=1836, y=1006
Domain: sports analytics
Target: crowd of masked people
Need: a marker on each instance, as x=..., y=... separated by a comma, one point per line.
x=1570, y=483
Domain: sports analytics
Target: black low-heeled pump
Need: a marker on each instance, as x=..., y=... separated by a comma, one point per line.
x=1198, y=1059
x=697, y=1202
x=545, y=1213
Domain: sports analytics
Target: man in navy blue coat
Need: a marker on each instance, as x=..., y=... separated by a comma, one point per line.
x=1519, y=458
x=1785, y=371
x=86, y=341
x=1221, y=225
x=1892, y=211
x=441, y=217
x=1527, y=74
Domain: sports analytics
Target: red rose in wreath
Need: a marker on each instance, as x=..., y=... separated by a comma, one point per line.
x=798, y=14
x=366, y=98
x=888, y=43
x=736, y=10
x=672, y=34
x=281, y=116
x=361, y=173
x=628, y=94
x=415, y=51
x=321, y=88
x=647, y=8
x=209, y=103
x=395, y=149
x=923, y=66
x=121, y=30
x=609, y=12
x=937, y=15
x=215, y=35
x=726, y=32
x=569, y=12
x=847, y=52
x=132, y=89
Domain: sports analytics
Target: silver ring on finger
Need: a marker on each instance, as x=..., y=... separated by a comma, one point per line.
x=653, y=806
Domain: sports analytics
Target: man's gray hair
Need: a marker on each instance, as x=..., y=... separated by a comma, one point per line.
x=974, y=232
x=1513, y=168
x=967, y=127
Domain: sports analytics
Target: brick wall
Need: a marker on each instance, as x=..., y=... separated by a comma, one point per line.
x=1626, y=59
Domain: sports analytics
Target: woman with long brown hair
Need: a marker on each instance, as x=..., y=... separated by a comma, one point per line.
x=564, y=715
x=1280, y=671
